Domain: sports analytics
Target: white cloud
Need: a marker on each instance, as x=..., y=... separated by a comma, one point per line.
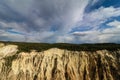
x=42, y=15
x=45, y=13
x=95, y=19
x=99, y=16
x=115, y=29
x=111, y=34
x=20, y=27
x=39, y=36
x=65, y=39
x=94, y=1
x=114, y=24
x=11, y=36
x=21, y=6
x=36, y=18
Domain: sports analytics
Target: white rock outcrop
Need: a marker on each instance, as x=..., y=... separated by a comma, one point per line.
x=7, y=50
x=59, y=64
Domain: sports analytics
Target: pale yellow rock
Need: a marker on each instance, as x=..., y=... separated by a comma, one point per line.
x=59, y=64
x=1, y=45
x=8, y=50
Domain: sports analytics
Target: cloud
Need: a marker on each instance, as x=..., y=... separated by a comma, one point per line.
x=93, y=22
x=39, y=18
x=43, y=14
x=111, y=34
x=6, y=36
x=94, y=2
x=115, y=24
x=84, y=33
x=53, y=21
x=114, y=30
x=99, y=16
x=13, y=26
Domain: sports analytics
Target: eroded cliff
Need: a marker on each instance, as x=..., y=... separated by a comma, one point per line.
x=58, y=64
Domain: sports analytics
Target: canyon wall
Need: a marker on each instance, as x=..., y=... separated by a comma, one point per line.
x=58, y=64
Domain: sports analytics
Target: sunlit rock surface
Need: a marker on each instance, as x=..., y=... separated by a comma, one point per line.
x=58, y=64
x=7, y=50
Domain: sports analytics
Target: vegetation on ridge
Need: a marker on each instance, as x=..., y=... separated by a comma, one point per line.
x=27, y=47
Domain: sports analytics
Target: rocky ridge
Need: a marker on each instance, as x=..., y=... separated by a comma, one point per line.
x=58, y=64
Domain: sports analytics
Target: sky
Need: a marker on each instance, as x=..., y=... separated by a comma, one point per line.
x=60, y=21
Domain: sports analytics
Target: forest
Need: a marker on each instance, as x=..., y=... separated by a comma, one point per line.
x=27, y=47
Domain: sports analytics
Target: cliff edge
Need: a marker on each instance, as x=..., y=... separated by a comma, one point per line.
x=58, y=64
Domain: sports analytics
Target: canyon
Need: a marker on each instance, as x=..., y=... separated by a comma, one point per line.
x=58, y=64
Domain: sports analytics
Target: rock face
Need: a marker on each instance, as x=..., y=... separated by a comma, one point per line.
x=59, y=64
x=8, y=50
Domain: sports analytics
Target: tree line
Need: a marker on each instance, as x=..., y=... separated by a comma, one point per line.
x=27, y=47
